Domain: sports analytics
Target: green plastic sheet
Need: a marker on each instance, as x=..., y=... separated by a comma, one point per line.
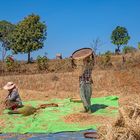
x=50, y=120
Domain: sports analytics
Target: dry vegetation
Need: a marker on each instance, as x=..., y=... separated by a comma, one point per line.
x=125, y=127
x=120, y=78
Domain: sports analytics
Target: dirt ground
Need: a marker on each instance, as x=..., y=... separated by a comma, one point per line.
x=125, y=84
x=80, y=118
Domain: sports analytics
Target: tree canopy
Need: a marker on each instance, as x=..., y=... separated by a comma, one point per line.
x=28, y=35
x=6, y=29
x=120, y=37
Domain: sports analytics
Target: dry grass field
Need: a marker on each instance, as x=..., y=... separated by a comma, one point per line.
x=121, y=79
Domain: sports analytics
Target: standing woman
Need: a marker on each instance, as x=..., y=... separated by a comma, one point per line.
x=84, y=60
x=85, y=81
x=13, y=100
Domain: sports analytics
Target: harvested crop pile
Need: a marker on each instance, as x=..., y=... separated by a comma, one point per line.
x=43, y=106
x=85, y=119
x=29, y=110
x=25, y=111
x=73, y=118
x=125, y=127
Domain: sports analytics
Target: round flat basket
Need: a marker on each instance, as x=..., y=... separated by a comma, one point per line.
x=91, y=135
x=82, y=53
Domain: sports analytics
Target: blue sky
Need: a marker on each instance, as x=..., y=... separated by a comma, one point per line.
x=73, y=24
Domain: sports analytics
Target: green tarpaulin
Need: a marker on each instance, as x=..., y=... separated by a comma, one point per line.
x=50, y=120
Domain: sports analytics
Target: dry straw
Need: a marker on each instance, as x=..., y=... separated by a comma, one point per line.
x=125, y=127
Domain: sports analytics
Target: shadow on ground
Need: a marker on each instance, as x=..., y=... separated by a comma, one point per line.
x=96, y=107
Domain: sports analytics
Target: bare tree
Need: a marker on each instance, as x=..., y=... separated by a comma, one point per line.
x=95, y=44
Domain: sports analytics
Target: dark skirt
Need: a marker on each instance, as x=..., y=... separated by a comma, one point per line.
x=85, y=94
x=12, y=105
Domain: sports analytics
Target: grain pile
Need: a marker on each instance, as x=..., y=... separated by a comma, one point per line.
x=29, y=110
x=125, y=127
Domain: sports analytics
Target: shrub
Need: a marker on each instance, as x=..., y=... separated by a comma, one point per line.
x=55, y=78
x=108, y=53
x=128, y=49
x=42, y=62
x=105, y=60
x=138, y=45
x=11, y=64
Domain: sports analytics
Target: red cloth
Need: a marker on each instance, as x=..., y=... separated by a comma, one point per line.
x=14, y=106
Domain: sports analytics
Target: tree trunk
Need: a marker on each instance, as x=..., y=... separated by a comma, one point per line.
x=3, y=52
x=29, y=57
x=118, y=48
x=117, y=51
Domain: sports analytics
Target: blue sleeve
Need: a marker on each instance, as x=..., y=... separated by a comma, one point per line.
x=13, y=96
